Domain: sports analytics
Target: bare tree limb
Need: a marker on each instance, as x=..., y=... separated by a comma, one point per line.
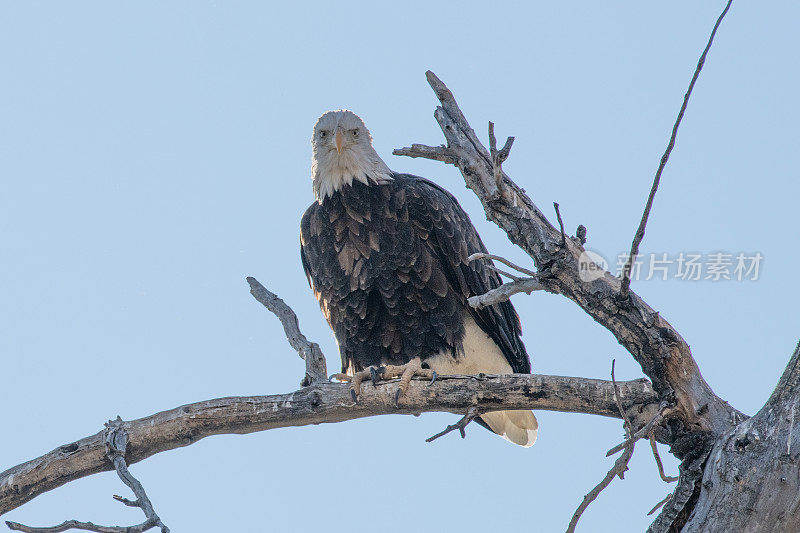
x=637, y=239
x=116, y=443
x=506, y=291
x=657, y=457
x=320, y=403
x=619, y=468
x=628, y=425
x=509, y=275
x=75, y=524
x=472, y=413
x=503, y=260
x=437, y=153
x=310, y=352
x=657, y=506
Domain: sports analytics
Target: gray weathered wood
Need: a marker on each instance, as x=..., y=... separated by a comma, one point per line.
x=317, y=404
x=752, y=481
x=310, y=352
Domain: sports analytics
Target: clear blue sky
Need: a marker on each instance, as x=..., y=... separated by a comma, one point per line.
x=154, y=154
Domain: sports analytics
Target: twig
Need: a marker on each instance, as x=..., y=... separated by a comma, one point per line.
x=626, y=421
x=116, y=442
x=560, y=225
x=316, y=369
x=642, y=432
x=436, y=153
x=126, y=501
x=657, y=506
x=505, y=291
x=637, y=239
x=502, y=272
x=654, y=447
x=461, y=425
x=480, y=255
x=620, y=465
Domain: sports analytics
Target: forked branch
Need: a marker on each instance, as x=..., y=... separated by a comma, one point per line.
x=662, y=353
x=116, y=444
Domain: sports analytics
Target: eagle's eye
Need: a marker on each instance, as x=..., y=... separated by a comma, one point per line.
x=323, y=133
x=354, y=132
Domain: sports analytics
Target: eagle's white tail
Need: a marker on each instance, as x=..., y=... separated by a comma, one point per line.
x=519, y=427
x=481, y=354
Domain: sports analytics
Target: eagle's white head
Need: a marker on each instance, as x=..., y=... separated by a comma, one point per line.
x=343, y=152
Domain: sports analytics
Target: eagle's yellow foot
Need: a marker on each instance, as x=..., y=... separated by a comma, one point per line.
x=372, y=373
x=405, y=373
x=376, y=373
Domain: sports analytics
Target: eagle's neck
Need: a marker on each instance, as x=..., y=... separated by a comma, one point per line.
x=331, y=171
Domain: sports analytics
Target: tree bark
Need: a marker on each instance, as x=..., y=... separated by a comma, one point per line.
x=752, y=478
x=318, y=404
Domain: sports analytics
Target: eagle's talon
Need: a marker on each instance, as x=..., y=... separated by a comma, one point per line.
x=433, y=378
x=374, y=374
x=354, y=395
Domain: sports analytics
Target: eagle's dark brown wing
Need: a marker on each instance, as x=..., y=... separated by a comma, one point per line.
x=451, y=235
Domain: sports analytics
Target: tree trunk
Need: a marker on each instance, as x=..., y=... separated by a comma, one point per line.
x=752, y=477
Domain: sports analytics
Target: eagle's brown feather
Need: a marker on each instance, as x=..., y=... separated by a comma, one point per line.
x=389, y=264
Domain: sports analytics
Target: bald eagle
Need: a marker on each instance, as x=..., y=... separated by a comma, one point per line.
x=386, y=255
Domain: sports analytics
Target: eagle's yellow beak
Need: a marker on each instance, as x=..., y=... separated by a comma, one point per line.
x=339, y=140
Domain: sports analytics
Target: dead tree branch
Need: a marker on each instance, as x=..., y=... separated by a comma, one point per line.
x=436, y=153
x=657, y=506
x=475, y=257
x=654, y=447
x=323, y=402
x=472, y=413
x=637, y=239
x=116, y=444
x=310, y=352
x=506, y=291
x=619, y=468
